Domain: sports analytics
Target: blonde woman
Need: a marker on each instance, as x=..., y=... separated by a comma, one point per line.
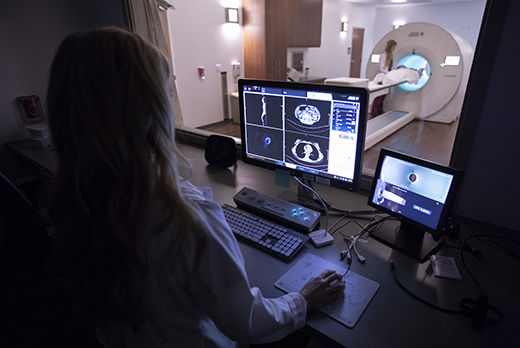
x=386, y=60
x=144, y=257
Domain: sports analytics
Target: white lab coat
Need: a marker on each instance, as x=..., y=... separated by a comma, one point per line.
x=181, y=315
x=382, y=62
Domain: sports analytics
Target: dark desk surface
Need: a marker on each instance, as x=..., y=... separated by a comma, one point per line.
x=312, y=79
x=393, y=318
x=39, y=157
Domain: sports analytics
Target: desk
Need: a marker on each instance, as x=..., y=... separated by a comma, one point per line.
x=392, y=319
x=42, y=158
x=312, y=79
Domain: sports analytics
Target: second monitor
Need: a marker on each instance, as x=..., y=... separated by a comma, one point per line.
x=420, y=194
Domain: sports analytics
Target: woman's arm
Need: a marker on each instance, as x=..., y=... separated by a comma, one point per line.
x=239, y=311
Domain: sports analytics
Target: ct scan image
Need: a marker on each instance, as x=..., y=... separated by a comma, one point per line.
x=264, y=110
x=307, y=116
x=306, y=150
x=265, y=142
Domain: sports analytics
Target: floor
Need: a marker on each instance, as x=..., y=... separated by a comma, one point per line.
x=224, y=127
x=429, y=140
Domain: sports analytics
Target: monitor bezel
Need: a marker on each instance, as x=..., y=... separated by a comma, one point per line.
x=446, y=211
x=362, y=124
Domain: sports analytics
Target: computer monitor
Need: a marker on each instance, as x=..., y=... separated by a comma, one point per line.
x=314, y=131
x=420, y=194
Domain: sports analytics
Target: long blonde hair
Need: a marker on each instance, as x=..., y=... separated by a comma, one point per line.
x=388, y=52
x=112, y=129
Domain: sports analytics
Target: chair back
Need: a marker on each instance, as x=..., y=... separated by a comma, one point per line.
x=23, y=235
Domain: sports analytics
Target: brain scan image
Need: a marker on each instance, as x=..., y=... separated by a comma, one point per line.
x=307, y=114
x=307, y=151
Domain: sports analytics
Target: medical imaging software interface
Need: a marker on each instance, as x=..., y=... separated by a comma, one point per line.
x=313, y=132
x=411, y=190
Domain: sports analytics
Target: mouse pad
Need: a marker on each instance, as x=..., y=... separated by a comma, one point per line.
x=359, y=290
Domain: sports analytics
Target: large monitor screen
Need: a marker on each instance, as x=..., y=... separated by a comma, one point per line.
x=314, y=131
x=418, y=192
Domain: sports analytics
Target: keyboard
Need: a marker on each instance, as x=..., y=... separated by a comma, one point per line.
x=274, y=239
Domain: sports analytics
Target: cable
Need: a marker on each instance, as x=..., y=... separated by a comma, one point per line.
x=360, y=258
x=308, y=186
x=480, y=288
x=351, y=241
x=342, y=255
x=322, y=202
x=477, y=309
x=374, y=223
x=510, y=251
x=318, y=205
x=349, y=262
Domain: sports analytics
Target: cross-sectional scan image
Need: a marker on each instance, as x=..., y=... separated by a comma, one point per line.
x=307, y=116
x=308, y=151
x=265, y=142
x=264, y=110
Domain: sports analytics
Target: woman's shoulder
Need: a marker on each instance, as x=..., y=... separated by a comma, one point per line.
x=192, y=192
x=212, y=216
x=202, y=199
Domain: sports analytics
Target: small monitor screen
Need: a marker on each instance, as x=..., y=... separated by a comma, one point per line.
x=314, y=131
x=417, y=191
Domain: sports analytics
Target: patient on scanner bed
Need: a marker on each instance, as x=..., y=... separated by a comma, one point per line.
x=401, y=74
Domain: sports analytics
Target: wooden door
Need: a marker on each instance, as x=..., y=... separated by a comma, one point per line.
x=357, y=51
x=297, y=61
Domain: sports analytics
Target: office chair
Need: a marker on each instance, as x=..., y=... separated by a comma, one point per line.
x=23, y=236
x=32, y=312
x=23, y=248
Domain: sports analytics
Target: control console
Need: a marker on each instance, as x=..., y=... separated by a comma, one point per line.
x=278, y=210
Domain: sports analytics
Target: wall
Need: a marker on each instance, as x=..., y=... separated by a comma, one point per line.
x=463, y=18
x=199, y=37
x=332, y=58
x=30, y=34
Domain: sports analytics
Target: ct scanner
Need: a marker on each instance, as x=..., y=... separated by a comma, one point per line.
x=446, y=59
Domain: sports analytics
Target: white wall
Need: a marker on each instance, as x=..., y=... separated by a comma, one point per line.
x=462, y=18
x=332, y=59
x=199, y=37
x=30, y=33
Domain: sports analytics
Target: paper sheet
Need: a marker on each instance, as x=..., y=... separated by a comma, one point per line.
x=359, y=290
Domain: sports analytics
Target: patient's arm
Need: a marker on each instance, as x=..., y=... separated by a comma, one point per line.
x=419, y=71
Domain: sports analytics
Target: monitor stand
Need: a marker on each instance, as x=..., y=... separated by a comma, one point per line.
x=300, y=197
x=410, y=240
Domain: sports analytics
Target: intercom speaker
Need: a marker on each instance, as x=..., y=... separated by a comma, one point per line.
x=220, y=151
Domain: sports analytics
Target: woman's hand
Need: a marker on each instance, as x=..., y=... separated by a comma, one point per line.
x=322, y=289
